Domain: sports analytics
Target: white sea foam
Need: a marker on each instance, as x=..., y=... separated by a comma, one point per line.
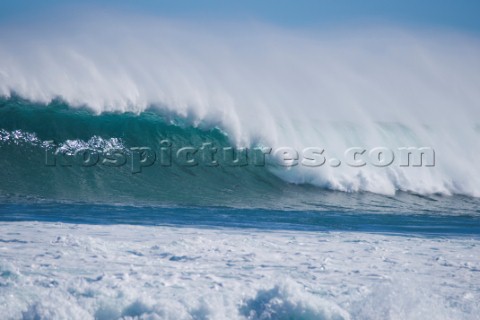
x=60, y=271
x=266, y=85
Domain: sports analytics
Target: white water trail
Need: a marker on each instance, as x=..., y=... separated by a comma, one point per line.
x=370, y=87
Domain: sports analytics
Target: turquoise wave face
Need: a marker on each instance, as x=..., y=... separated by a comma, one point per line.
x=27, y=129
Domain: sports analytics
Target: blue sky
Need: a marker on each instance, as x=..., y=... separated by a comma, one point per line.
x=451, y=14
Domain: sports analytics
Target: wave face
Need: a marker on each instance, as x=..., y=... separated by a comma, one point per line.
x=148, y=81
x=29, y=131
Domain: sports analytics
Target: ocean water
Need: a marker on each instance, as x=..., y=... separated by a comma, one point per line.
x=176, y=242
x=93, y=228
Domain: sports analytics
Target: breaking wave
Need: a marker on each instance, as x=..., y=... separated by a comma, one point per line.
x=252, y=86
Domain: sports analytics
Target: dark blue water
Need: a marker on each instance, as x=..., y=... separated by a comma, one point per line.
x=305, y=220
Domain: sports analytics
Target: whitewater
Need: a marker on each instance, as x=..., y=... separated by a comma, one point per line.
x=237, y=242
x=134, y=272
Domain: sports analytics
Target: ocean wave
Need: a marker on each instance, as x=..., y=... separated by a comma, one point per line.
x=29, y=129
x=152, y=80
